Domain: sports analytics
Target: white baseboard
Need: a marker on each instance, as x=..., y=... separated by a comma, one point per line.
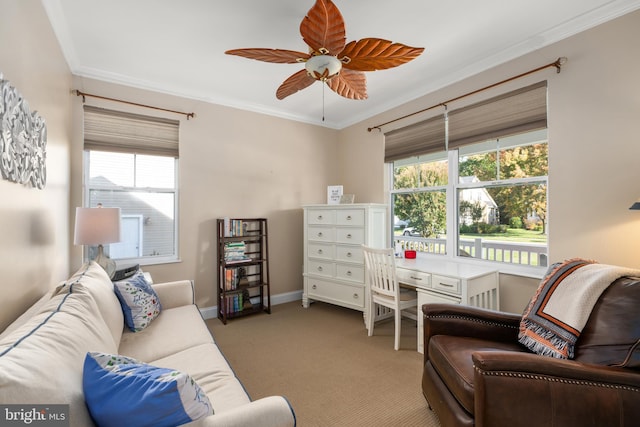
x=212, y=312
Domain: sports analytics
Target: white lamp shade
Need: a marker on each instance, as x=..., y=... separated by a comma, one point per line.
x=97, y=226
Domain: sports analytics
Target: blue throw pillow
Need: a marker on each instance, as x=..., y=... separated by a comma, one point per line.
x=121, y=391
x=140, y=303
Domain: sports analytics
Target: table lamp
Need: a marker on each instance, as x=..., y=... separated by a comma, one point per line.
x=98, y=226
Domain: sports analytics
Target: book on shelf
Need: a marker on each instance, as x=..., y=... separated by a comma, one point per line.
x=235, y=252
x=234, y=227
x=235, y=278
x=233, y=303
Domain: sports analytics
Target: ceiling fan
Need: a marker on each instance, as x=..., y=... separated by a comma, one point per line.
x=330, y=59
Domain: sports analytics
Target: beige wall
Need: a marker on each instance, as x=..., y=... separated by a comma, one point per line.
x=594, y=145
x=33, y=223
x=232, y=163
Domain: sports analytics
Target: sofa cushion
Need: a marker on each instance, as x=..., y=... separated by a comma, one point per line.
x=139, y=301
x=207, y=365
x=175, y=330
x=450, y=357
x=124, y=391
x=611, y=332
x=41, y=360
x=96, y=281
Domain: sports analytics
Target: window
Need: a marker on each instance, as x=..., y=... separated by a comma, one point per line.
x=502, y=200
x=129, y=163
x=486, y=196
x=420, y=199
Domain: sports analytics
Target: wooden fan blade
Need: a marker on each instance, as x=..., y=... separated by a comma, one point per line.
x=350, y=84
x=323, y=28
x=372, y=54
x=279, y=56
x=294, y=83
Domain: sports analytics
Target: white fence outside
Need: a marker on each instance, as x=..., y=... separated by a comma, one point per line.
x=530, y=254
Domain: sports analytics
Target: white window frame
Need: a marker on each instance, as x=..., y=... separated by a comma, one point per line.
x=452, y=222
x=144, y=260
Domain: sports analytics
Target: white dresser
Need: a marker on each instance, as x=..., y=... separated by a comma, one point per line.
x=443, y=281
x=333, y=260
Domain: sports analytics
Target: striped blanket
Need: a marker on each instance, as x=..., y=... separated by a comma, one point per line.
x=553, y=320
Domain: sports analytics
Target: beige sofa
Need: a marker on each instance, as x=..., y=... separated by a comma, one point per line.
x=42, y=352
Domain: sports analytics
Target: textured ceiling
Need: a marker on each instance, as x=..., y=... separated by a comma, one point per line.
x=177, y=47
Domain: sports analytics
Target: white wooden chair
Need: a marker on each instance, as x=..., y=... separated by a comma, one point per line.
x=383, y=289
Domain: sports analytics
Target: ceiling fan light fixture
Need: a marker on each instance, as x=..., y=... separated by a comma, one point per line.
x=329, y=58
x=323, y=67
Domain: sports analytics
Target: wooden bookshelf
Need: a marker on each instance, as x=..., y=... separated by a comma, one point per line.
x=243, y=267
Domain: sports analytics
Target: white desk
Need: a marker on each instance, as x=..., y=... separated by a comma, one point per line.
x=444, y=281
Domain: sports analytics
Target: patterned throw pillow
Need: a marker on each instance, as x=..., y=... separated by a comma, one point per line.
x=122, y=391
x=140, y=303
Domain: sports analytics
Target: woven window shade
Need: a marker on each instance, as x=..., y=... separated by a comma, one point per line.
x=108, y=130
x=519, y=111
x=414, y=140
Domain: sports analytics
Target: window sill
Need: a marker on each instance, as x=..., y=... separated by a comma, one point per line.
x=120, y=263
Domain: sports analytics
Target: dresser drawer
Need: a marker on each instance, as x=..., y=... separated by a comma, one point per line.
x=321, y=268
x=446, y=284
x=354, y=273
x=350, y=235
x=349, y=254
x=345, y=295
x=320, y=250
x=321, y=234
x=419, y=279
x=321, y=216
x=350, y=217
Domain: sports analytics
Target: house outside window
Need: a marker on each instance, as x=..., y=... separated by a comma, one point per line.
x=131, y=162
x=473, y=183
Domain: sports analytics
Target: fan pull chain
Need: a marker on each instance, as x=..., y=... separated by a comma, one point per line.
x=323, y=85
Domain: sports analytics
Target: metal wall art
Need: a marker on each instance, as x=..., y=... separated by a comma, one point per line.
x=23, y=139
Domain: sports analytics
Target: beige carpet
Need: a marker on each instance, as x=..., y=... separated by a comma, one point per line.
x=323, y=362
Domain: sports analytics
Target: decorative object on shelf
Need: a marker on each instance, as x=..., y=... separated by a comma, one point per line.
x=23, y=139
x=334, y=192
x=98, y=226
x=347, y=199
x=635, y=206
x=330, y=59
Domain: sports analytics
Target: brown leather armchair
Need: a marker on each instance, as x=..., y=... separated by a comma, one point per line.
x=476, y=372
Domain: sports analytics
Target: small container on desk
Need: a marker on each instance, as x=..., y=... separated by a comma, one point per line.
x=409, y=254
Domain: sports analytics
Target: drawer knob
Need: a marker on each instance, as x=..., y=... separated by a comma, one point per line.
x=416, y=278
x=349, y=236
x=355, y=296
x=349, y=273
x=348, y=217
x=319, y=251
x=319, y=217
x=349, y=255
x=314, y=287
x=446, y=284
x=320, y=234
x=319, y=268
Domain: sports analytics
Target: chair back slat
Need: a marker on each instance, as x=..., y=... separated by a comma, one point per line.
x=381, y=271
